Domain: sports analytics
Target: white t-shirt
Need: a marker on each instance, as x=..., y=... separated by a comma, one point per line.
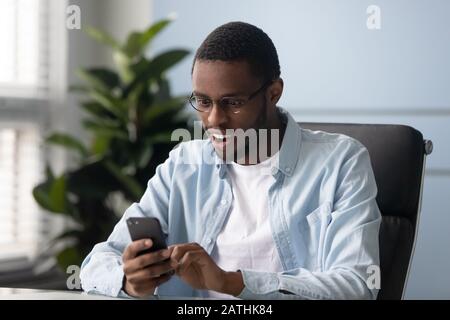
x=246, y=241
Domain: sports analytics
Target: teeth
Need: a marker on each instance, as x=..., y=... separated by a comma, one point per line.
x=220, y=136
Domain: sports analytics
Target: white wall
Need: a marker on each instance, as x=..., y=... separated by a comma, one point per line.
x=336, y=70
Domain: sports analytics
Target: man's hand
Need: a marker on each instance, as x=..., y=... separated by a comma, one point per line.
x=145, y=272
x=198, y=269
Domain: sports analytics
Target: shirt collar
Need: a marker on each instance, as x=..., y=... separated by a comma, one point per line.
x=290, y=147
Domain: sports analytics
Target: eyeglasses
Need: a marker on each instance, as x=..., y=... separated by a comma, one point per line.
x=229, y=104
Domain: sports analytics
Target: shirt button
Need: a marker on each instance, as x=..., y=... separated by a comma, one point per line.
x=223, y=202
x=288, y=169
x=208, y=241
x=273, y=170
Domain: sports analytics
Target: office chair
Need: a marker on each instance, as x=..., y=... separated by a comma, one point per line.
x=398, y=156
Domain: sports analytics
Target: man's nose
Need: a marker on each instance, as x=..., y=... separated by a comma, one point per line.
x=216, y=116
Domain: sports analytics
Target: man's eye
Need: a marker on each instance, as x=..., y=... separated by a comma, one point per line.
x=203, y=102
x=233, y=102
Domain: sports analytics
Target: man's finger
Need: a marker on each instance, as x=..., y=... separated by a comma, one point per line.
x=152, y=258
x=152, y=283
x=135, y=247
x=179, y=250
x=147, y=287
x=145, y=260
x=152, y=272
x=190, y=257
x=144, y=289
x=162, y=279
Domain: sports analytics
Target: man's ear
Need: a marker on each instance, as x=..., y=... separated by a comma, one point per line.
x=275, y=91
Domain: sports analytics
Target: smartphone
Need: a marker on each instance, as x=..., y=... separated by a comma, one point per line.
x=147, y=228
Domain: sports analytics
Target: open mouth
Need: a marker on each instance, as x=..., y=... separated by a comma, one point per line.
x=220, y=140
x=221, y=137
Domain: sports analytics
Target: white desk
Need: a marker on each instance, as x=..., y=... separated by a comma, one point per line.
x=34, y=294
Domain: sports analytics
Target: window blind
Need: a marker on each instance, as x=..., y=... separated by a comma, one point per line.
x=24, y=38
x=19, y=172
x=24, y=82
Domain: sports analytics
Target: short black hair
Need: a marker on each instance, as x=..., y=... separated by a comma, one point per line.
x=235, y=41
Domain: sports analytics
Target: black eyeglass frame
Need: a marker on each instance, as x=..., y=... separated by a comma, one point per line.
x=220, y=102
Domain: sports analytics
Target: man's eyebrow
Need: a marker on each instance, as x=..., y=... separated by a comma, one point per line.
x=232, y=94
x=199, y=94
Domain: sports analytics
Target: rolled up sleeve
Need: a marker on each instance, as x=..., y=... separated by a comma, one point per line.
x=102, y=270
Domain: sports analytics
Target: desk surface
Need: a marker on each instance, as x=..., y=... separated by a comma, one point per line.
x=34, y=294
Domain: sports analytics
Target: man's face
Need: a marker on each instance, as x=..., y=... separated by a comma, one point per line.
x=218, y=79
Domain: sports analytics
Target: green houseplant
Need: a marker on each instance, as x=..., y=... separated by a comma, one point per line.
x=130, y=116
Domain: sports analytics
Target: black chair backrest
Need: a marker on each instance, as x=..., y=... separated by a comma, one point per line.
x=397, y=155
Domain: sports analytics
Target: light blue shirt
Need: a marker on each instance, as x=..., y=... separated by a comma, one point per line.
x=322, y=210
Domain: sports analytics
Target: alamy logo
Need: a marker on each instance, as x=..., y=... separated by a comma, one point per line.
x=231, y=144
x=73, y=280
x=73, y=18
x=374, y=279
x=374, y=19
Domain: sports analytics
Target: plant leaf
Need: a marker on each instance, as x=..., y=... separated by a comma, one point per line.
x=67, y=141
x=40, y=194
x=78, y=88
x=138, y=41
x=91, y=181
x=49, y=172
x=171, y=105
x=166, y=60
x=97, y=110
x=123, y=63
x=151, y=32
x=128, y=182
x=104, y=130
x=102, y=37
x=163, y=92
x=57, y=194
x=100, y=78
x=72, y=233
x=69, y=256
x=154, y=68
x=100, y=144
x=110, y=103
x=102, y=123
x=133, y=44
x=145, y=156
x=161, y=137
x=50, y=195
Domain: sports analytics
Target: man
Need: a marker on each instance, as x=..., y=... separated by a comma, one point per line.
x=298, y=221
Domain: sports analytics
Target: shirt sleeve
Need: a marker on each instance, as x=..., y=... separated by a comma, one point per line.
x=350, y=245
x=102, y=270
